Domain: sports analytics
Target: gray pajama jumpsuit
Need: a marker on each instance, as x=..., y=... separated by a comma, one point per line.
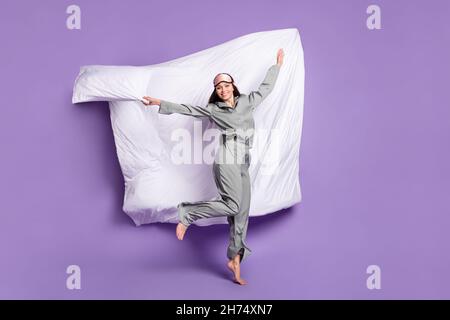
x=231, y=163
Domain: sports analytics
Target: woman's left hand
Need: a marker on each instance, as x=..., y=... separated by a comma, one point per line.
x=280, y=57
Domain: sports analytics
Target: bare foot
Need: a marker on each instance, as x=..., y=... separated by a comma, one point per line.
x=181, y=230
x=234, y=266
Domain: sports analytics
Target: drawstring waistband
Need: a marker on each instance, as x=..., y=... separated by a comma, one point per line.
x=235, y=137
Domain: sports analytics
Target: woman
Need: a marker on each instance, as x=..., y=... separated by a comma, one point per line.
x=233, y=114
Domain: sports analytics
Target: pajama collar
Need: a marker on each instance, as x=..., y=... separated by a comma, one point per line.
x=222, y=104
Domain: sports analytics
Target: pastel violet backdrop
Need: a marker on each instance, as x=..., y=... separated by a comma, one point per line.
x=374, y=155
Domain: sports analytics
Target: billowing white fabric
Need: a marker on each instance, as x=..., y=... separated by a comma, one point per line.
x=146, y=140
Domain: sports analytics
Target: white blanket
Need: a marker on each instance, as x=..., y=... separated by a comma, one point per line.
x=146, y=143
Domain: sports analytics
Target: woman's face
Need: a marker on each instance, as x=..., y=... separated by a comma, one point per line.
x=224, y=90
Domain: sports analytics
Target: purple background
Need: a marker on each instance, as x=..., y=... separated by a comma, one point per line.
x=374, y=160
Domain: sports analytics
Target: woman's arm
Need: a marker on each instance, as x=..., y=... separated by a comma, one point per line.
x=266, y=86
x=167, y=107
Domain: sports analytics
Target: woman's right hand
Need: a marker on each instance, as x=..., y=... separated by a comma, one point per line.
x=150, y=101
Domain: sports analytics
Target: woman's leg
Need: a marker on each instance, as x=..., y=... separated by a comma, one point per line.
x=239, y=223
x=228, y=180
x=237, y=249
x=227, y=176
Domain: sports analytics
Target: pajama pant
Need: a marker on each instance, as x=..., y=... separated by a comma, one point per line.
x=230, y=169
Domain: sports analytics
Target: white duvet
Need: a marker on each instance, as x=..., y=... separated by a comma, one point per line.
x=148, y=143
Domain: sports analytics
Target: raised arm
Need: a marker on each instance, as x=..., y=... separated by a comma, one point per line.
x=256, y=97
x=167, y=107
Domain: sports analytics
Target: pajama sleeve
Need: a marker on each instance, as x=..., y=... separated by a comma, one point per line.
x=167, y=107
x=266, y=86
